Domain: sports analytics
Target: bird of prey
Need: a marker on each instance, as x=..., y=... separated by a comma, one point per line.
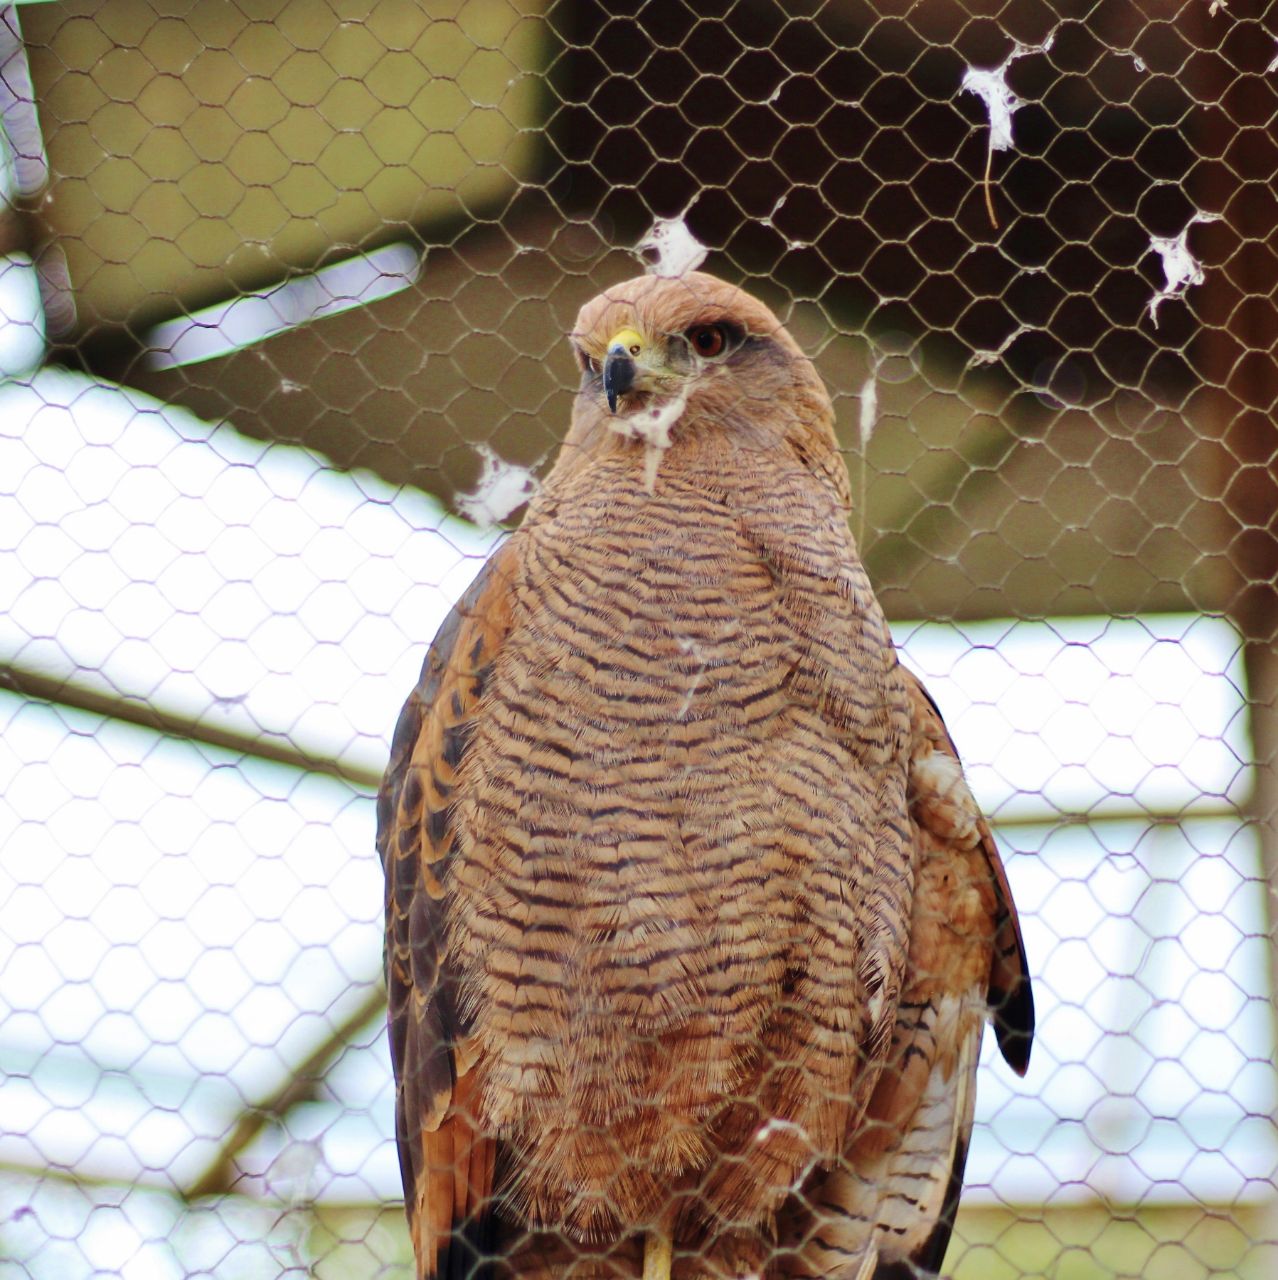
x=692, y=923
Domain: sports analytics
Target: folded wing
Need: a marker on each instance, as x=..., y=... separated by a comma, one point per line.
x=446, y=1164
x=888, y=1210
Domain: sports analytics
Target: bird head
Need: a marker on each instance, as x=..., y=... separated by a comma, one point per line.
x=691, y=353
x=638, y=364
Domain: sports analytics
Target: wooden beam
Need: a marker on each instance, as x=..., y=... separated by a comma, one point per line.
x=132, y=709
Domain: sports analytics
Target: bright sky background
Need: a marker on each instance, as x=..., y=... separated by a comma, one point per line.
x=178, y=927
x=21, y=315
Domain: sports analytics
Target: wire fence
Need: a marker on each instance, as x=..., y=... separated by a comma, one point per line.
x=283, y=297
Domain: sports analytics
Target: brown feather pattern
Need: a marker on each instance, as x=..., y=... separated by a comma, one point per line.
x=670, y=878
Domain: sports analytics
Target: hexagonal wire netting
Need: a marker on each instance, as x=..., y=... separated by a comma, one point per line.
x=282, y=306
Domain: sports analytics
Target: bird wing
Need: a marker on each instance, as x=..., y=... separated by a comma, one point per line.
x=944, y=806
x=967, y=961
x=895, y=1195
x=446, y=1163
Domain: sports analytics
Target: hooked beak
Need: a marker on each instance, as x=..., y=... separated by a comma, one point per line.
x=619, y=370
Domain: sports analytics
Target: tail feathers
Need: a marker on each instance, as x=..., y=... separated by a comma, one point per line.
x=454, y=1227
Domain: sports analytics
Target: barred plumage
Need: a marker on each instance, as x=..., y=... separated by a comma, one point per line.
x=691, y=919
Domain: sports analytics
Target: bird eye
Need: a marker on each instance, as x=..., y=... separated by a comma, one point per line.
x=707, y=340
x=587, y=362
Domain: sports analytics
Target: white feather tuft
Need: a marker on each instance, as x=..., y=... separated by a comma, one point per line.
x=503, y=487
x=1180, y=268
x=869, y=409
x=1000, y=102
x=675, y=250
x=652, y=425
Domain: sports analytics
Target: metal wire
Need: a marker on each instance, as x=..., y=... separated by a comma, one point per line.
x=282, y=297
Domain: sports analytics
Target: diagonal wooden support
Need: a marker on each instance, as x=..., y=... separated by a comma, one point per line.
x=298, y=1086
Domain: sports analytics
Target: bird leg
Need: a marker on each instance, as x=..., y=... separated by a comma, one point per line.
x=658, y=1253
x=658, y=1248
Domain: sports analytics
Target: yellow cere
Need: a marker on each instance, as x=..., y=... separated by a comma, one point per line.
x=626, y=340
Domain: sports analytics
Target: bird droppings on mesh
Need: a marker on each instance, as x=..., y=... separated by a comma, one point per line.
x=670, y=249
x=1180, y=267
x=503, y=488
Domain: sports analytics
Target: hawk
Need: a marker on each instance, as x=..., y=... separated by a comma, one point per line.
x=692, y=923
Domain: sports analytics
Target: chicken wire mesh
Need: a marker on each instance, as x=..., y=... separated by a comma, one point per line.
x=281, y=326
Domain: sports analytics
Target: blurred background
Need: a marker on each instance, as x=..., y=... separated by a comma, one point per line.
x=283, y=290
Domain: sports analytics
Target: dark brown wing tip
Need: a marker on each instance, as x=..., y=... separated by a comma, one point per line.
x=470, y=1252
x=1014, y=1028
x=1013, y=1014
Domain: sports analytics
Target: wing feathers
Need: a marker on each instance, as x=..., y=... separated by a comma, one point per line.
x=1011, y=998
x=943, y=805
x=445, y=1161
x=931, y=1253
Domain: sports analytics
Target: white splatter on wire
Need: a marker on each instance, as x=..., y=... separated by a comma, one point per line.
x=1180, y=268
x=503, y=487
x=992, y=355
x=1273, y=66
x=776, y=1124
x=675, y=250
x=1001, y=104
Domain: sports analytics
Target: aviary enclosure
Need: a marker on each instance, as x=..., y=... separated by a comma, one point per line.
x=283, y=296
